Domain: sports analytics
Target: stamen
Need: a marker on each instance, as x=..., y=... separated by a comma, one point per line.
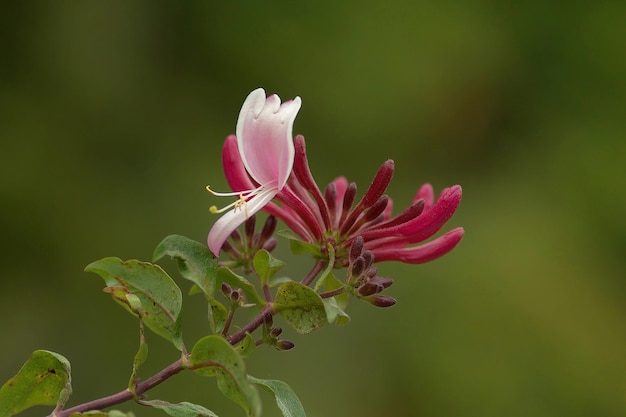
x=242, y=200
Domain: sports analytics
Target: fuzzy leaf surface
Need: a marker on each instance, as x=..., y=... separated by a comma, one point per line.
x=195, y=261
x=214, y=356
x=146, y=291
x=286, y=399
x=45, y=379
x=300, y=306
x=184, y=409
x=237, y=281
x=266, y=265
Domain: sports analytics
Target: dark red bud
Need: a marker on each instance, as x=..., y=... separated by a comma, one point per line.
x=368, y=256
x=358, y=266
x=356, y=249
x=379, y=184
x=382, y=281
x=268, y=229
x=285, y=345
x=348, y=200
x=229, y=249
x=235, y=296
x=226, y=289
x=377, y=208
x=235, y=236
x=276, y=331
x=249, y=225
x=330, y=195
x=370, y=288
x=380, y=300
x=376, y=190
x=270, y=244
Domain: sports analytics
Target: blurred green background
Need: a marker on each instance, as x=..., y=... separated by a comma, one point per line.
x=112, y=117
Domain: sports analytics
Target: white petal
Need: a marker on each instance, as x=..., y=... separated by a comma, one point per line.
x=226, y=224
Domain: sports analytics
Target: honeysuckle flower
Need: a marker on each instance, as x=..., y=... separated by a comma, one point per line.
x=265, y=150
x=332, y=218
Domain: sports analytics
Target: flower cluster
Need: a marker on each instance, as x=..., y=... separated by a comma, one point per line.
x=269, y=170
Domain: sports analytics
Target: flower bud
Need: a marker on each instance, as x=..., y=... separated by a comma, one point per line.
x=376, y=209
x=236, y=296
x=268, y=230
x=249, y=225
x=270, y=244
x=382, y=281
x=348, y=198
x=371, y=272
x=276, y=331
x=226, y=289
x=380, y=300
x=230, y=250
x=356, y=248
x=330, y=195
x=236, y=237
x=368, y=257
x=285, y=345
x=358, y=266
x=370, y=288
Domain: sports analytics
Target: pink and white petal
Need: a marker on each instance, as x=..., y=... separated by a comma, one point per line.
x=232, y=219
x=234, y=170
x=422, y=253
x=264, y=135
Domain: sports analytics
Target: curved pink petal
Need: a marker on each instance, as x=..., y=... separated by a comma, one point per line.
x=264, y=136
x=226, y=224
x=433, y=219
x=422, y=253
x=234, y=170
x=427, y=223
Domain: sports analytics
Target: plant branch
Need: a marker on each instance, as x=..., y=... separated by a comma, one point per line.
x=177, y=366
x=332, y=293
x=317, y=268
x=254, y=324
x=125, y=395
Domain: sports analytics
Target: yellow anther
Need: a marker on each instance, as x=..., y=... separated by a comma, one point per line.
x=242, y=200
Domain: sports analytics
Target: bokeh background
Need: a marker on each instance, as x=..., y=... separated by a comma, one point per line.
x=112, y=117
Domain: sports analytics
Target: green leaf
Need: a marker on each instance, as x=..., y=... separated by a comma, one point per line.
x=334, y=314
x=217, y=315
x=298, y=246
x=246, y=347
x=331, y=283
x=286, y=398
x=300, y=306
x=236, y=281
x=214, y=356
x=195, y=261
x=146, y=291
x=183, y=409
x=277, y=281
x=45, y=379
x=266, y=265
